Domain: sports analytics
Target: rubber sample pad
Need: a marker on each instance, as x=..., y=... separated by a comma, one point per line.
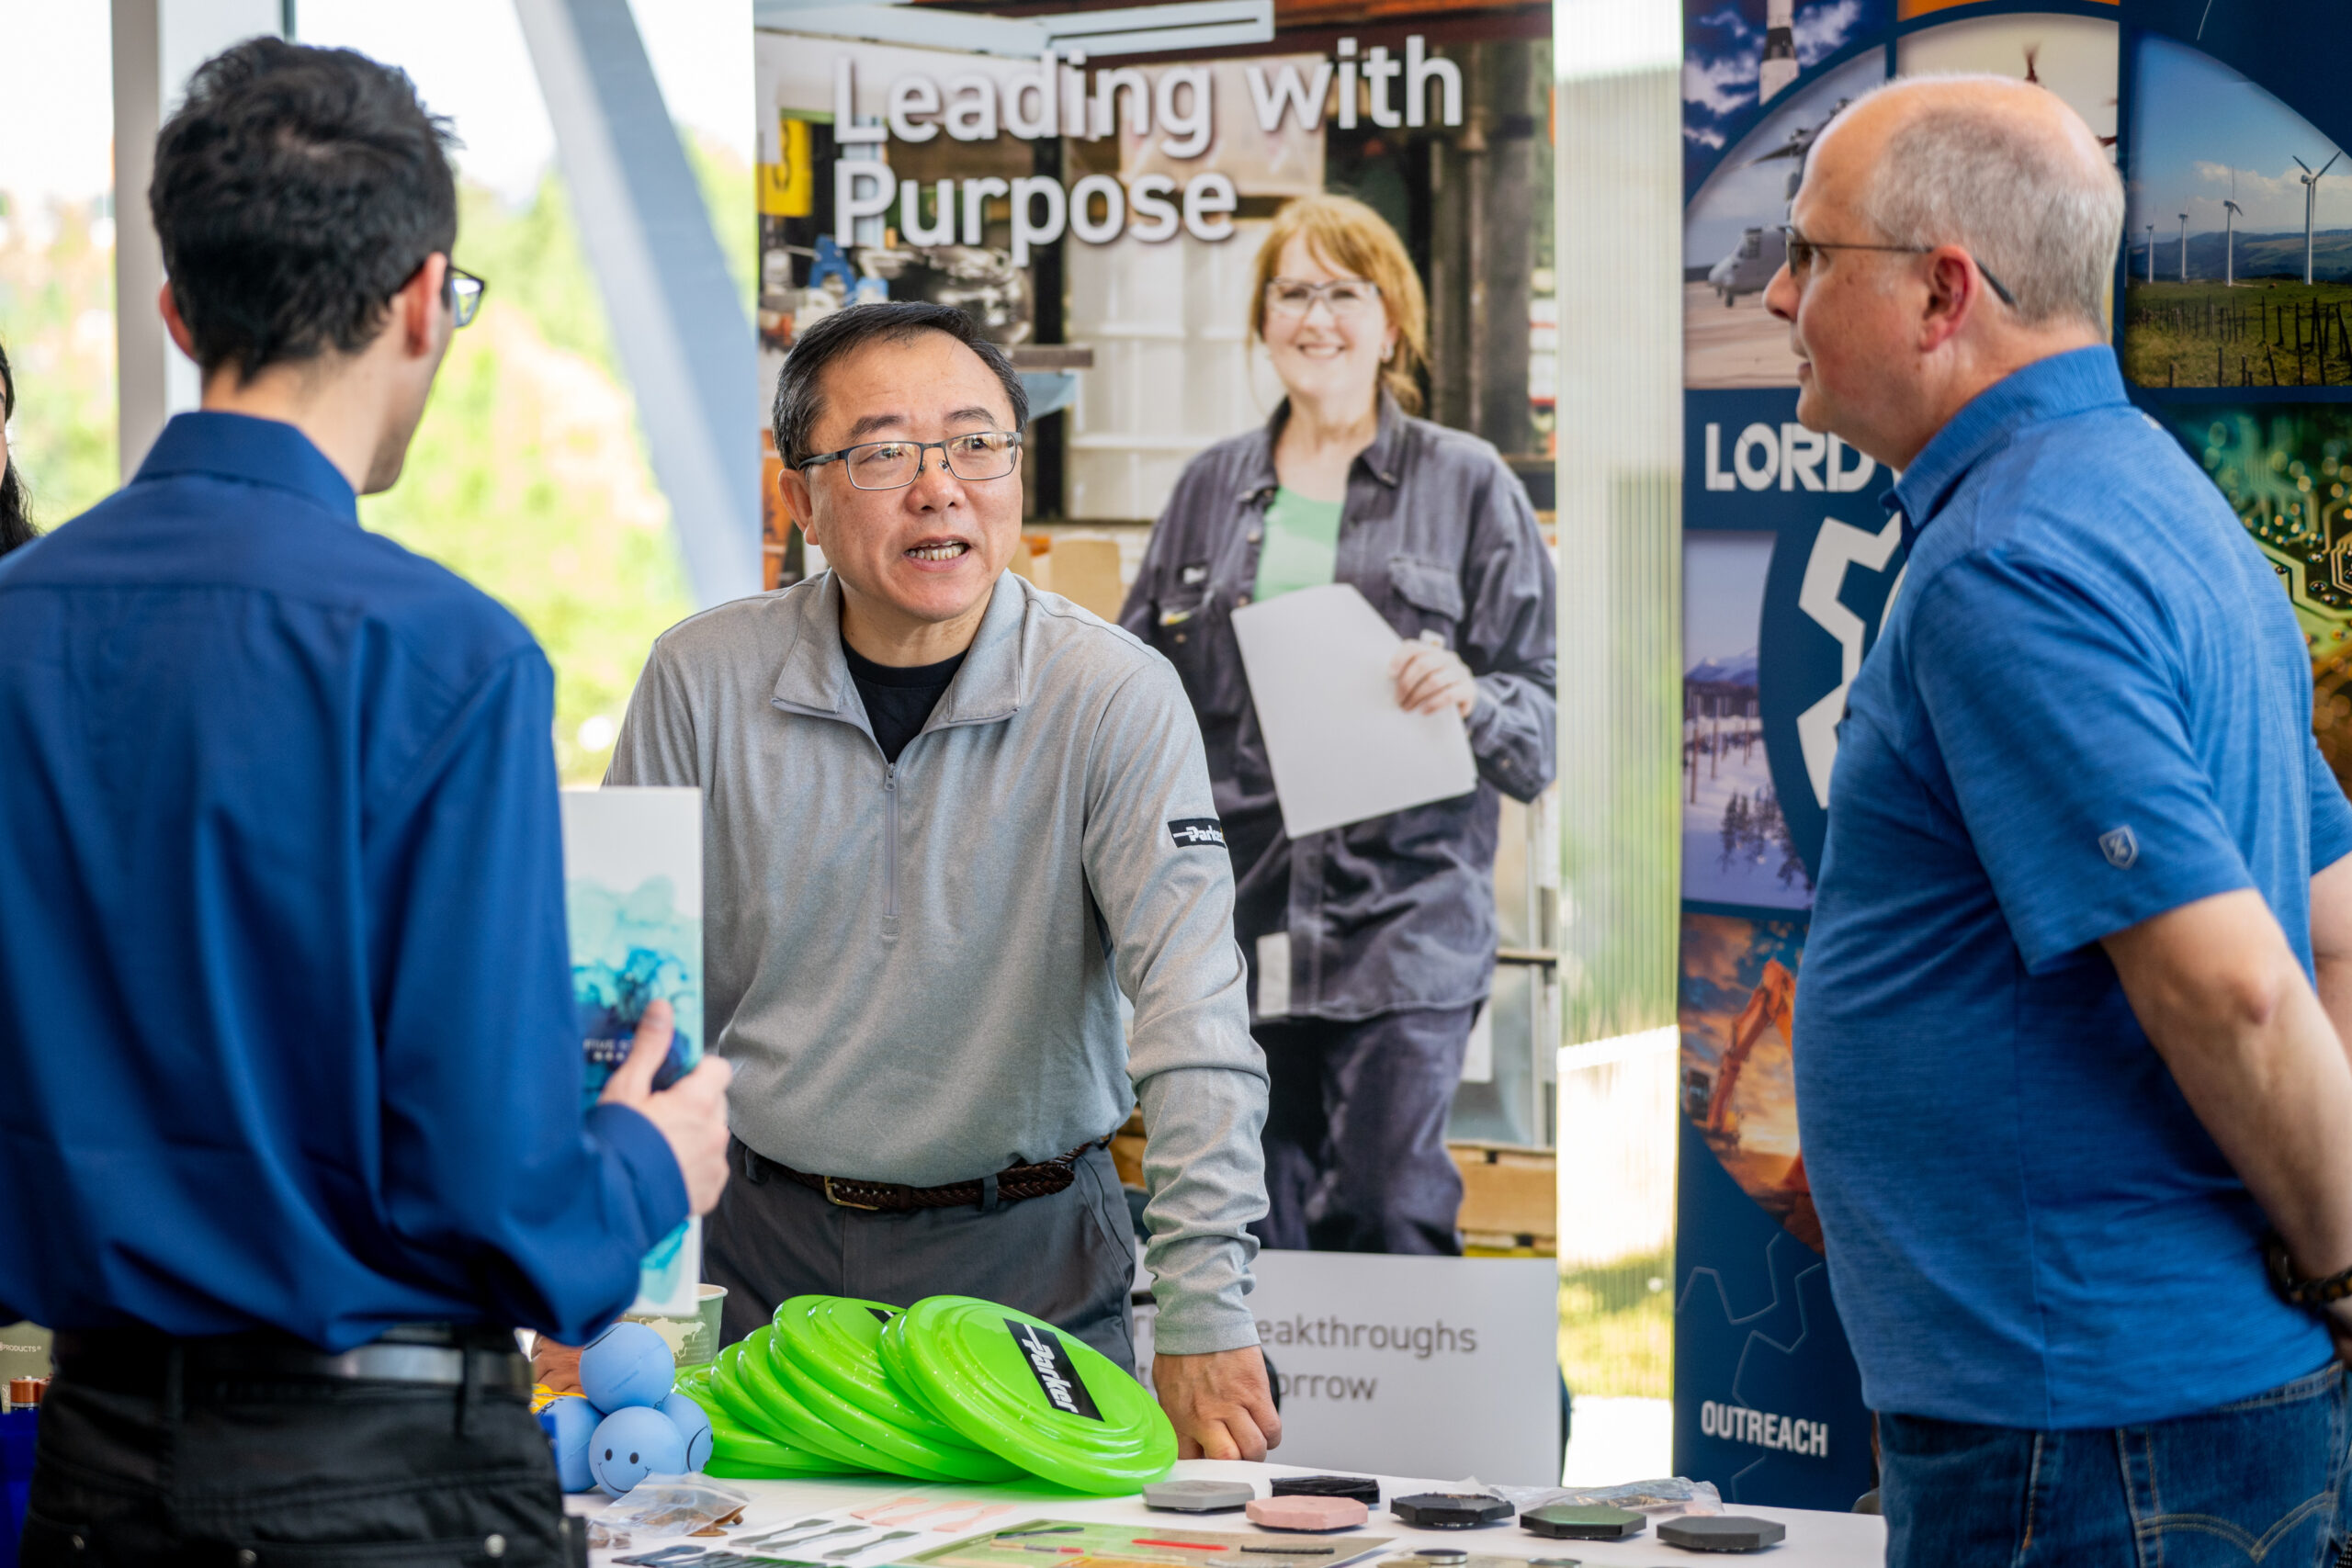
x=1308, y=1513
x=1720, y=1532
x=1450, y=1510
x=1198, y=1496
x=1564, y=1521
x=1363, y=1488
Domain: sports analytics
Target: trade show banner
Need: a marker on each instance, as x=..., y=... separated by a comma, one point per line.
x=2230, y=323
x=1093, y=186
x=1410, y=1365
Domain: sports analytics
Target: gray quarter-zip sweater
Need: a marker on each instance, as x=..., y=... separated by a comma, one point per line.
x=914, y=968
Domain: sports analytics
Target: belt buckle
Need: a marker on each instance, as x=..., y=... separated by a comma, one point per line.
x=840, y=1203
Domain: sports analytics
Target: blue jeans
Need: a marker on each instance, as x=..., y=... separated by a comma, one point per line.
x=2261, y=1481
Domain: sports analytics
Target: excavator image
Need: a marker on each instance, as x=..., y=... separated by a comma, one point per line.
x=1771, y=1006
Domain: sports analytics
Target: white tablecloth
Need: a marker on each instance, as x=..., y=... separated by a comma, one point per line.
x=1815, y=1540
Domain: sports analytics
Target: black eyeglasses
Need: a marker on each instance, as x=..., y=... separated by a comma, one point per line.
x=1802, y=251
x=894, y=464
x=464, y=291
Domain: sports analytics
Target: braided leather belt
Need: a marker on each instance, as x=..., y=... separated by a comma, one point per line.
x=1013, y=1184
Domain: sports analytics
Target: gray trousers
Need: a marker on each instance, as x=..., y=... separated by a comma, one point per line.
x=1355, y=1131
x=1068, y=1259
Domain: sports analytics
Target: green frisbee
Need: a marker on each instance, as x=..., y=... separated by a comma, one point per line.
x=823, y=1351
x=1017, y=1386
x=791, y=1420
x=728, y=1394
x=733, y=1443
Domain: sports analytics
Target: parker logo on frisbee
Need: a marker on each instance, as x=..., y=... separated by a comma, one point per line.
x=1016, y=1387
x=1050, y=1364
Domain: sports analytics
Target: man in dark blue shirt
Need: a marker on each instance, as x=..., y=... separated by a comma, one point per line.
x=2061, y=1057
x=290, y=1126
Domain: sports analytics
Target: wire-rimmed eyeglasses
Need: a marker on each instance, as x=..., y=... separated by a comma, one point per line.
x=1802, y=250
x=893, y=465
x=1344, y=296
x=464, y=291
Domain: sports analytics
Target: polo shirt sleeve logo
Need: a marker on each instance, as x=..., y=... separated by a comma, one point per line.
x=1197, y=832
x=2121, y=849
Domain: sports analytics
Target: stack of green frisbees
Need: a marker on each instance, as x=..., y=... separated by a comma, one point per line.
x=951, y=1388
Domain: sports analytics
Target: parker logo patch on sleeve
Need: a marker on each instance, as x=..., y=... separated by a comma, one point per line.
x=1193, y=832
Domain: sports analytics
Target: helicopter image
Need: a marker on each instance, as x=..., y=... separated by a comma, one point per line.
x=1761, y=251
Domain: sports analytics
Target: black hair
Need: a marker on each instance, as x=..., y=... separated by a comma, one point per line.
x=296, y=191
x=15, y=522
x=834, y=337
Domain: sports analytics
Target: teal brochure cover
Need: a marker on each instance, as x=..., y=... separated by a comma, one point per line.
x=632, y=882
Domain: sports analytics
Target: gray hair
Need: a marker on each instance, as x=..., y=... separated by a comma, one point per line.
x=2036, y=213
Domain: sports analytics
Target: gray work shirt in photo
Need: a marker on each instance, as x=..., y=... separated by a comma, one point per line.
x=1437, y=533
x=915, y=967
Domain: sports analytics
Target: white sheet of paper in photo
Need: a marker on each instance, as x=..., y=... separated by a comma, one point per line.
x=1340, y=747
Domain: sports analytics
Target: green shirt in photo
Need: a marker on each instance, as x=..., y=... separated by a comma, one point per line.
x=1302, y=547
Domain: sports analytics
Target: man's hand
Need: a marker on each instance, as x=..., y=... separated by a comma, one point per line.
x=1432, y=678
x=691, y=1113
x=2224, y=1000
x=1219, y=1403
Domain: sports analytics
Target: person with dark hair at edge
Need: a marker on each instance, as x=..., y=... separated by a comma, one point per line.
x=292, y=1139
x=15, y=524
x=951, y=818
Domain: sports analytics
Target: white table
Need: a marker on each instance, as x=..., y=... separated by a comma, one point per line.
x=1815, y=1540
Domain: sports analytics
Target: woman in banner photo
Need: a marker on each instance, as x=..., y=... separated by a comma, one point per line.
x=1371, y=946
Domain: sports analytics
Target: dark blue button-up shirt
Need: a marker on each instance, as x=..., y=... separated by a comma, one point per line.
x=287, y=1036
x=2090, y=703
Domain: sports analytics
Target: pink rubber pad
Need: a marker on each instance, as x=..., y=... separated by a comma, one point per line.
x=1308, y=1513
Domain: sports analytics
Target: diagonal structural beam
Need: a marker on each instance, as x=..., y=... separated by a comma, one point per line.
x=683, y=337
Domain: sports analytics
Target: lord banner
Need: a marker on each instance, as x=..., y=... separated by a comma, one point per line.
x=2228, y=318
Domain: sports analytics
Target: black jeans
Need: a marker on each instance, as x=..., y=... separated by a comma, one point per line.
x=301, y=1471
x=1068, y=1257
x=1355, y=1131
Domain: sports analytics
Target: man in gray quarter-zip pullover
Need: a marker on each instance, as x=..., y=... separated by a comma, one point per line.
x=949, y=819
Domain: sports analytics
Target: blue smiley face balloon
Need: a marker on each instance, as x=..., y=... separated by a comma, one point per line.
x=571, y=1425
x=632, y=1444
x=626, y=1364
x=693, y=1426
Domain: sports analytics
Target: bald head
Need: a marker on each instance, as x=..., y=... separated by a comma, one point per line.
x=2002, y=168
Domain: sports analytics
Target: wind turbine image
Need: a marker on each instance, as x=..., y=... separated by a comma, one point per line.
x=2151, y=253
x=1779, y=67
x=2311, y=191
x=2231, y=210
x=2183, y=247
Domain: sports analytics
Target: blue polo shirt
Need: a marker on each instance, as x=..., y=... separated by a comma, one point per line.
x=2089, y=703
x=287, y=1036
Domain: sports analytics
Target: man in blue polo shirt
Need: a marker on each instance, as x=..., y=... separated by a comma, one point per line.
x=290, y=1136
x=2060, y=1060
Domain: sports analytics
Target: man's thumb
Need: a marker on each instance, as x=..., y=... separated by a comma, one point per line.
x=632, y=1081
